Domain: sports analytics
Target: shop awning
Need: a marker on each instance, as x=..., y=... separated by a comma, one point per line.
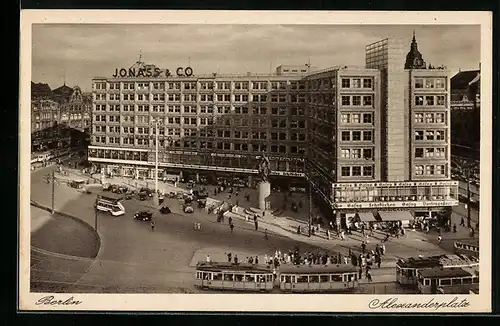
x=395, y=216
x=366, y=217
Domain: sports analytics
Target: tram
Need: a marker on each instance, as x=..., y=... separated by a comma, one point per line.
x=439, y=280
x=261, y=278
x=467, y=247
x=239, y=277
x=318, y=278
x=407, y=269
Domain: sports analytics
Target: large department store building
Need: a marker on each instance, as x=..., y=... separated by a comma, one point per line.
x=373, y=142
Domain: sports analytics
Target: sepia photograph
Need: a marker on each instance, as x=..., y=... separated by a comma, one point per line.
x=255, y=159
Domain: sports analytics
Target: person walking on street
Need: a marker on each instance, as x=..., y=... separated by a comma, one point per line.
x=360, y=273
x=265, y=234
x=440, y=238
x=462, y=221
x=229, y=257
x=231, y=226
x=369, y=275
x=363, y=246
x=342, y=236
x=152, y=225
x=230, y=220
x=328, y=234
x=256, y=225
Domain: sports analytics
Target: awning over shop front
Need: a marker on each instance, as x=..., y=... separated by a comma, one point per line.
x=366, y=217
x=387, y=216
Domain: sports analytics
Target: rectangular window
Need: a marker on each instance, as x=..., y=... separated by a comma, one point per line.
x=356, y=153
x=345, y=118
x=356, y=170
x=367, y=153
x=440, y=135
x=429, y=152
x=429, y=135
x=419, y=169
x=419, y=83
x=356, y=135
x=429, y=100
x=419, y=100
x=346, y=83
x=355, y=117
x=419, y=152
x=367, y=171
x=346, y=136
x=440, y=83
x=367, y=83
x=367, y=135
x=346, y=171
x=439, y=169
x=345, y=153
x=429, y=169
x=419, y=135
x=356, y=100
x=356, y=83
x=367, y=118
x=429, y=118
x=439, y=117
x=419, y=118
x=441, y=100
x=367, y=100
x=429, y=83
x=346, y=100
x=439, y=152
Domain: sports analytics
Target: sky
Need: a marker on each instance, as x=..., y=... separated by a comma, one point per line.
x=79, y=52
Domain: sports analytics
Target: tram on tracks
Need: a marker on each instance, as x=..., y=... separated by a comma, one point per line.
x=467, y=247
x=262, y=278
x=407, y=269
x=445, y=280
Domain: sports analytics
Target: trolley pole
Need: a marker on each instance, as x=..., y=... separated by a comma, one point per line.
x=53, y=190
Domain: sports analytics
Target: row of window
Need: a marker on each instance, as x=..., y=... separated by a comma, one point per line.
x=175, y=97
x=223, y=85
x=430, y=135
x=357, y=153
x=436, y=117
x=204, y=109
x=430, y=100
x=366, y=83
x=355, y=118
x=192, y=144
x=357, y=135
x=357, y=171
x=357, y=100
x=439, y=83
x=430, y=169
x=430, y=152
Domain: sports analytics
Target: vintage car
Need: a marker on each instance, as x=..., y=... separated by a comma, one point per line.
x=143, y=216
x=77, y=184
x=165, y=210
x=106, y=187
x=187, y=208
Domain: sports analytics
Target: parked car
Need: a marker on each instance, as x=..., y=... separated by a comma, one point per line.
x=106, y=187
x=188, y=209
x=180, y=195
x=143, y=196
x=148, y=191
x=171, y=194
x=143, y=216
x=165, y=210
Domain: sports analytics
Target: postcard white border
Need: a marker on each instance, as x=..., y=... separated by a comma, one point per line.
x=254, y=302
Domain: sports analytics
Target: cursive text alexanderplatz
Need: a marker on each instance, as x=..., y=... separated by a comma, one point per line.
x=394, y=303
x=51, y=301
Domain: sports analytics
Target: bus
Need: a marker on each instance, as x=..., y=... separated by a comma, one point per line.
x=318, y=278
x=228, y=276
x=111, y=204
x=441, y=280
x=407, y=269
x=467, y=247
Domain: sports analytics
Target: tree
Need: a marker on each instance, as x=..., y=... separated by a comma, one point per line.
x=465, y=171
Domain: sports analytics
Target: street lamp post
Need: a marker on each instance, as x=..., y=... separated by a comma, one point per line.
x=95, y=214
x=310, y=207
x=156, y=122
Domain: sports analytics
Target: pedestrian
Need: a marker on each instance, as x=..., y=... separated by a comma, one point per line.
x=328, y=234
x=152, y=225
x=250, y=260
x=454, y=228
x=256, y=260
x=209, y=260
x=369, y=275
x=378, y=260
x=265, y=234
x=231, y=226
x=367, y=271
x=346, y=260
x=230, y=220
x=386, y=237
x=440, y=238
x=360, y=273
x=235, y=259
x=363, y=246
x=462, y=222
x=298, y=230
x=256, y=225
x=342, y=235
x=383, y=249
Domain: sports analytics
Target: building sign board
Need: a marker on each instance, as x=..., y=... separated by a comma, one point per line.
x=395, y=184
x=153, y=72
x=396, y=204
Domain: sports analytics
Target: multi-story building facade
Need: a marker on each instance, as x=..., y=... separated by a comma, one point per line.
x=406, y=155
x=369, y=140
x=75, y=107
x=216, y=122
